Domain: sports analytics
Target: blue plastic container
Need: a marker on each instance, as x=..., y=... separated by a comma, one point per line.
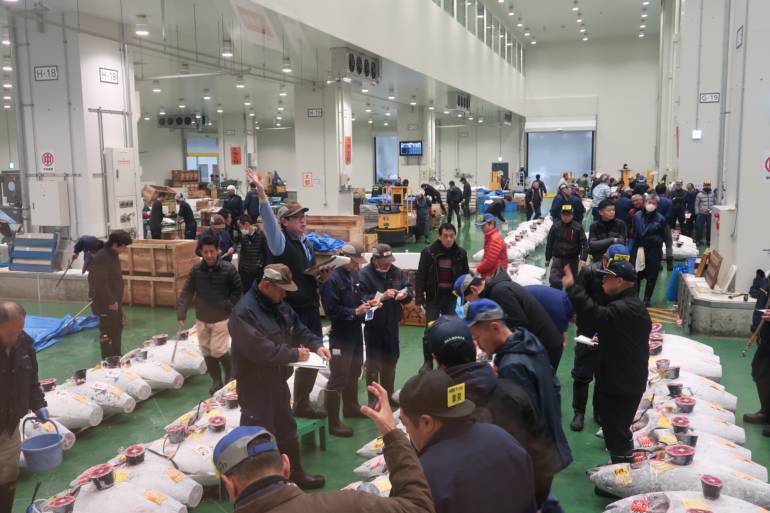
x=42, y=452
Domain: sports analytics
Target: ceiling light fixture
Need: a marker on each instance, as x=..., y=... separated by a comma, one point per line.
x=141, y=29
x=510, y=10
x=279, y=118
x=585, y=38
x=481, y=120
x=247, y=101
x=220, y=110
x=6, y=106
x=6, y=41
x=368, y=108
x=161, y=112
x=283, y=92
x=156, y=86
x=446, y=112
x=181, y=103
x=413, y=102
x=206, y=95
x=520, y=23
x=286, y=66
x=527, y=33
x=364, y=90
x=146, y=116
x=460, y=115
x=646, y=2
x=641, y=35
x=470, y=118
x=575, y=6
x=582, y=30
x=352, y=118
x=644, y=14
x=533, y=42
x=385, y=123
x=7, y=65
x=198, y=115
x=642, y=26
x=277, y=124
x=239, y=82
x=370, y=121
x=579, y=19
x=252, y=114
x=7, y=97
x=7, y=85
x=227, y=49
x=430, y=106
x=387, y=113
x=391, y=94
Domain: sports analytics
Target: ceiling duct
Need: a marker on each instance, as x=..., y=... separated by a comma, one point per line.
x=459, y=101
x=352, y=65
x=182, y=120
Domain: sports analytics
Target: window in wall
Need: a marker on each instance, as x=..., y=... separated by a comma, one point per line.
x=489, y=36
x=449, y=7
x=201, y=153
x=385, y=157
x=550, y=154
x=470, y=10
x=437, y=2
x=462, y=10
x=480, y=31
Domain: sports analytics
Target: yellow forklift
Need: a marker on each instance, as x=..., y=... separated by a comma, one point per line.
x=393, y=216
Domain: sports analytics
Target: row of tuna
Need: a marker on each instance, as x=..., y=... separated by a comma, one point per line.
x=114, y=386
x=688, y=450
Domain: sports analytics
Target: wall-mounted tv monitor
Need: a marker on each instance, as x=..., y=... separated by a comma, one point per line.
x=410, y=148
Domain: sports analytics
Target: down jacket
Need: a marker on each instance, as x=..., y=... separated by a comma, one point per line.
x=495, y=254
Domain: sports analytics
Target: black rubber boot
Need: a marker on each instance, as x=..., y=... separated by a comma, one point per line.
x=755, y=418
x=305, y=481
x=350, y=406
x=336, y=427
x=304, y=379
x=224, y=360
x=578, y=421
x=388, y=378
x=212, y=367
x=7, y=493
x=372, y=377
x=427, y=356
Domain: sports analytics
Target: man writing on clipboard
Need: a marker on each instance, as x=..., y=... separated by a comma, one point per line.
x=267, y=337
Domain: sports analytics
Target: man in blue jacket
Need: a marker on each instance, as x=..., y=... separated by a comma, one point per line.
x=520, y=357
x=344, y=306
x=650, y=233
x=470, y=466
x=500, y=402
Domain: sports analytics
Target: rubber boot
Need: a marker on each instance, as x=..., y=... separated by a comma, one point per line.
x=388, y=378
x=212, y=366
x=305, y=481
x=224, y=360
x=372, y=376
x=578, y=421
x=336, y=427
x=7, y=493
x=350, y=406
x=304, y=379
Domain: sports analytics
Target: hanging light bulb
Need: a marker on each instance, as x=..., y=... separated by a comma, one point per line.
x=156, y=86
x=220, y=110
x=206, y=94
x=198, y=115
x=181, y=103
x=227, y=48
x=161, y=112
x=146, y=116
x=7, y=64
x=239, y=82
x=286, y=66
x=141, y=29
x=247, y=101
x=413, y=102
x=283, y=92
x=280, y=106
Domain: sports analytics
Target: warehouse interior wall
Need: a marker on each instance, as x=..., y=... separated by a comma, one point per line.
x=471, y=150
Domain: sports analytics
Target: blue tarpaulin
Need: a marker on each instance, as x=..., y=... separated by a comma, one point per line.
x=324, y=243
x=47, y=331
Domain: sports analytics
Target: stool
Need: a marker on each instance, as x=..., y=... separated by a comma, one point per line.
x=308, y=427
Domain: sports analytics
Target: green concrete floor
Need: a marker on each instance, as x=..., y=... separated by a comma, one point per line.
x=337, y=462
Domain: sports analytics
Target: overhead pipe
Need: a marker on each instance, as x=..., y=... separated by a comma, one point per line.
x=725, y=112
x=21, y=139
x=65, y=46
x=745, y=48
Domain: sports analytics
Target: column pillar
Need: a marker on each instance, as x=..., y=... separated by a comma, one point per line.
x=323, y=135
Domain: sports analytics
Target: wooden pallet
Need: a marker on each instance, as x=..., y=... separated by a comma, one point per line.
x=152, y=290
x=347, y=228
x=159, y=258
x=33, y=252
x=185, y=175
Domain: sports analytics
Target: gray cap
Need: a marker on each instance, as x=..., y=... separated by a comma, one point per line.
x=240, y=444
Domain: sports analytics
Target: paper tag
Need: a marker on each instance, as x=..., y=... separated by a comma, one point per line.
x=213, y=413
x=744, y=475
x=741, y=457
x=378, y=444
x=697, y=503
x=664, y=422
x=660, y=466
x=715, y=406
x=725, y=441
x=644, y=441
x=115, y=391
x=79, y=397
x=156, y=497
x=203, y=450
x=195, y=436
x=131, y=376
x=47, y=426
x=191, y=353
x=455, y=395
x=166, y=367
x=622, y=475
x=668, y=439
x=120, y=476
x=174, y=474
x=99, y=386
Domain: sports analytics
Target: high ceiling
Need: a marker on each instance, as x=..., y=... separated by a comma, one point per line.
x=555, y=20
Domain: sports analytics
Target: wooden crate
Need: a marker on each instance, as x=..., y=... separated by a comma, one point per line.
x=370, y=241
x=347, y=228
x=413, y=314
x=150, y=193
x=152, y=290
x=185, y=175
x=169, y=258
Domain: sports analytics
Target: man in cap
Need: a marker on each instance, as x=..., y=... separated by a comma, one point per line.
x=234, y=204
x=257, y=476
x=521, y=307
x=344, y=306
x=678, y=196
x=690, y=213
x=605, y=231
x=215, y=286
x=498, y=401
x=287, y=244
x=267, y=336
x=566, y=245
x=382, y=278
x=251, y=203
x=704, y=204
x=586, y=362
x=519, y=357
x=458, y=454
x=623, y=330
x=217, y=230
x=566, y=196
x=600, y=193
x=251, y=258
x=19, y=393
x=495, y=250
x=440, y=265
x=185, y=214
x=88, y=245
x=105, y=289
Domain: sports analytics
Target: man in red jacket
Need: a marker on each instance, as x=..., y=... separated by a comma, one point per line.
x=495, y=251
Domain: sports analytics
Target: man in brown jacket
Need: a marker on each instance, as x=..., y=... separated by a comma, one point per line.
x=256, y=474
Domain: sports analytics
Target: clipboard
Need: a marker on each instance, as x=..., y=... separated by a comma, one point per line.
x=313, y=362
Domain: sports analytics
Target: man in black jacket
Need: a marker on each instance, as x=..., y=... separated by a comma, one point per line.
x=606, y=231
x=623, y=330
x=467, y=193
x=19, y=393
x=287, y=244
x=534, y=200
x=105, y=286
x=500, y=402
x=566, y=245
x=678, y=196
x=267, y=337
x=381, y=330
x=440, y=265
x=760, y=364
x=454, y=197
x=522, y=309
x=251, y=258
x=434, y=196
x=156, y=216
x=251, y=203
x=186, y=215
x=89, y=246
x=234, y=204
x=216, y=287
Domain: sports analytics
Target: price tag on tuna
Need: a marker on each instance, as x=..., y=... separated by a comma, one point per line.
x=174, y=474
x=660, y=466
x=622, y=475
x=378, y=443
x=156, y=497
x=80, y=398
x=745, y=476
x=120, y=476
x=101, y=387
x=664, y=422
x=131, y=376
x=697, y=504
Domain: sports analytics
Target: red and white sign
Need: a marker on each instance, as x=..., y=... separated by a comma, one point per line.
x=47, y=160
x=307, y=179
x=766, y=168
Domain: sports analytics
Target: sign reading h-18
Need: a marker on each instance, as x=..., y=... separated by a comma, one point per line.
x=45, y=73
x=710, y=97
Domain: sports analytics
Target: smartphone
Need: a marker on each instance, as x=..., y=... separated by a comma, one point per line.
x=369, y=315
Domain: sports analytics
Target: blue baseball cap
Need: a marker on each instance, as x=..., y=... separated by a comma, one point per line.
x=485, y=219
x=483, y=310
x=463, y=283
x=620, y=269
x=240, y=444
x=617, y=249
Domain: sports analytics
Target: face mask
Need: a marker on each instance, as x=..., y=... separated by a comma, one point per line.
x=707, y=190
x=649, y=207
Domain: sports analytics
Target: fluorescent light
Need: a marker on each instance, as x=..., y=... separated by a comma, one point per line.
x=286, y=66
x=279, y=118
x=7, y=97
x=206, y=95
x=239, y=83
x=446, y=112
x=197, y=115
x=347, y=80
x=7, y=86
x=480, y=16
x=431, y=107
x=352, y=118
x=387, y=114
x=526, y=34
x=370, y=121
x=156, y=86
x=460, y=115
x=283, y=92
x=141, y=30
x=391, y=97
x=579, y=20
x=364, y=90
x=182, y=106
x=227, y=49
x=470, y=118
x=6, y=41
x=367, y=109
x=646, y=2
x=644, y=15
x=6, y=106
x=697, y=135
x=220, y=110
x=252, y=114
x=533, y=42
x=519, y=24
x=585, y=38
x=642, y=26
x=641, y=35
x=385, y=123
x=7, y=65
x=247, y=103
x=582, y=30
x=162, y=112
x=413, y=102
x=481, y=120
